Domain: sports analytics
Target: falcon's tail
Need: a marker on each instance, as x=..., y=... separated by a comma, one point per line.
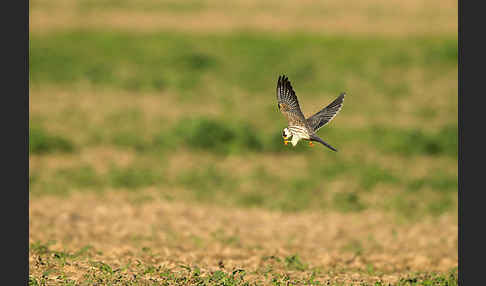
x=316, y=138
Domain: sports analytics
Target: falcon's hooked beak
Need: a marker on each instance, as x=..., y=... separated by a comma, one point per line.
x=286, y=136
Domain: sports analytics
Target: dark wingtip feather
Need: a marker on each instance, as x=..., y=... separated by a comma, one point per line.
x=283, y=80
x=286, y=83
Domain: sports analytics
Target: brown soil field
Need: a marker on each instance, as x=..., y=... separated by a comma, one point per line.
x=351, y=17
x=124, y=227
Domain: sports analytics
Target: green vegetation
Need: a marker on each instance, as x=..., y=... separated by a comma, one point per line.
x=247, y=61
x=218, y=136
x=41, y=142
x=294, y=262
x=412, y=142
x=133, y=177
x=220, y=139
x=275, y=270
x=212, y=184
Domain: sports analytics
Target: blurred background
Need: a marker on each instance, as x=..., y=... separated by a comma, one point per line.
x=176, y=99
x=130, y=95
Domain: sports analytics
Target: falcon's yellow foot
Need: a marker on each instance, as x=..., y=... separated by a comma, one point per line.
x=311, y=144
x=286, y=142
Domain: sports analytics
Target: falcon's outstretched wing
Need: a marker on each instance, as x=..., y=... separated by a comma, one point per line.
x=322, y=117
x=288, y=103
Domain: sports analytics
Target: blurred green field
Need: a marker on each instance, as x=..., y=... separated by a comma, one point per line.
x=401, y=109
x=177, y=100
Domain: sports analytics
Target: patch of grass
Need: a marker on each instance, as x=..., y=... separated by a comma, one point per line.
x=249, y=61
x=123, y=129
x=48, y=269
x=80, y=177
x=134, y=177
x=296, y=194
x=42, y=142
x=425, y=279
x=294, y=262
x=417, y=142
x=348, y=202
x=238, y=137
x=413, y=206
x=39, y=248
x=103, y=267
x=310, y=189
x=33, y=179
x=206, y=182
x=176, y=6
x=437, y=181
x=162, y=141
x=210, y=184
x=253, y=199
x=130, y=140
x=84, y=177
x=65, y=180
x=334, y=168
x=440, y=205
x=371, y=175
x=446, y=53
x=354, y=246
x=217, y=136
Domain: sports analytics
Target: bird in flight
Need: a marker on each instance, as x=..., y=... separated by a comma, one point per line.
x=299, y=127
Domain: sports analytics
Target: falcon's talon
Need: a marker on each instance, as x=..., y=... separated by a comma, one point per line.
x=286, y=142
x=311, y=144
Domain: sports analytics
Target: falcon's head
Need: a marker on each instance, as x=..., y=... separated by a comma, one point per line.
x=286, y=135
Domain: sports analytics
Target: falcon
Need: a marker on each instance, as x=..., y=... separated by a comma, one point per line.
x=300, y=127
